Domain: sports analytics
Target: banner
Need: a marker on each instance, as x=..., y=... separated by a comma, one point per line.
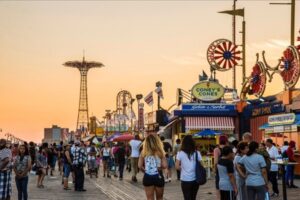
x=149, y=99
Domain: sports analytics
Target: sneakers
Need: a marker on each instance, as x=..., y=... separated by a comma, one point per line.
x=294, y=186
x=274, y=195
x=168, y=180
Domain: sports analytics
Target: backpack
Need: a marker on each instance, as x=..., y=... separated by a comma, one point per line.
x=200, y=172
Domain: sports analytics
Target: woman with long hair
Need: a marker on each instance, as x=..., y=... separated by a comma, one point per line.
x=242, y=150
x=186, y=163
x=152, y=161
x=106, y=156
x=22, y=166
x=256, y=173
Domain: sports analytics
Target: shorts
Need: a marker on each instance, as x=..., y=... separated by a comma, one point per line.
x=39, y=171
x=170, y=162
x=154, y=180
x=106, y=158
x=67, y=170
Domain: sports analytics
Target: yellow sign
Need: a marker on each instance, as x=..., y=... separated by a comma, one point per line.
x=281, y=119
x=99, y=131
x=208, y=91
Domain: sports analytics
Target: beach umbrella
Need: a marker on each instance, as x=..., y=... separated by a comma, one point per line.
x=206, y=132
x=123, y=138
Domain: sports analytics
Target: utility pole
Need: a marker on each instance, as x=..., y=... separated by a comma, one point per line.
x=234, y=42
x=293, y=11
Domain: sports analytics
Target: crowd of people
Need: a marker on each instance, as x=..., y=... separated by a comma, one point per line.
x=243, y=169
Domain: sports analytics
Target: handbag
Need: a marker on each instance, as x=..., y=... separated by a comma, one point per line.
x=200, y=172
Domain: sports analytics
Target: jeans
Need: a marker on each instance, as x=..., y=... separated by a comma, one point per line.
x=273, y=180
x=22, y=188
x=121, y=169
x=242, y=190
x=289, y=174
x=189, y=189
x=79, y=177
x=256, y=192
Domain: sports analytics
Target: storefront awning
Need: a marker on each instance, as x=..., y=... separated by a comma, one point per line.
x=281, y=128
x=214, y=123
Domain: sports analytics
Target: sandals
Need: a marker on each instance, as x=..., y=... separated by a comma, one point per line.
x=67, y=188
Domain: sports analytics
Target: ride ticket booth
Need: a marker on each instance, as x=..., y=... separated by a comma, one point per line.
x=284, y=127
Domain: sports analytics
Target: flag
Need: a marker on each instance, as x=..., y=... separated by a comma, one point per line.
x=239, y=12
x=159, y=92
x=149, y=99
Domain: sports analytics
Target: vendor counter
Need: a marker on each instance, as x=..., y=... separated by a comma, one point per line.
x=297, y=167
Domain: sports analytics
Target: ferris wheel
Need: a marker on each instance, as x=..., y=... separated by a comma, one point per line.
x=124, y=104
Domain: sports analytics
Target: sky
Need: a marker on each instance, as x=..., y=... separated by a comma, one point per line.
x=139, y=42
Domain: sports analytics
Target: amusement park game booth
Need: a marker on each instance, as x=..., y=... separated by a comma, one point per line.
x=284, y=127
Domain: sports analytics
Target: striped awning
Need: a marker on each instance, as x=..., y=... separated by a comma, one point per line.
x=214, y=123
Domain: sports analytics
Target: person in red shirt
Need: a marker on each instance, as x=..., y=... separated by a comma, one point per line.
x=289, y=176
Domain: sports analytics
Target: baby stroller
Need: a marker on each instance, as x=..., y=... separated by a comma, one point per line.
x=92, y=163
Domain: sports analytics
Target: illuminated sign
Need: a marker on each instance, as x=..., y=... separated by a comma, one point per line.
x=208, y=91
x=281, y=119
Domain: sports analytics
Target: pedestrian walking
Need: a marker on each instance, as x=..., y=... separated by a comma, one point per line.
x=78, y=164
x=120, y=159
x=41, y=165
x=67, y=165
x=169, y=157
x=175, y=152
x=256, y=172
x=227, y=184
x=186, y=163
x=5, y=171
x=223, y=141
x=106, y=156
x=32, y=152
x=22, y=166
x=135, y=153
x=272, y=175
x=289, y=176
x=242, y=150
x=152, y=161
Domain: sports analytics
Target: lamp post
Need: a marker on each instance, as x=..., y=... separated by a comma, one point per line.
x=158, y=84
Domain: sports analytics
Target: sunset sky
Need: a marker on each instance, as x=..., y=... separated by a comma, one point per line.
x=139, y=42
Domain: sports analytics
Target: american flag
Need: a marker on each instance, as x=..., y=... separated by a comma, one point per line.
x=149, y=99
